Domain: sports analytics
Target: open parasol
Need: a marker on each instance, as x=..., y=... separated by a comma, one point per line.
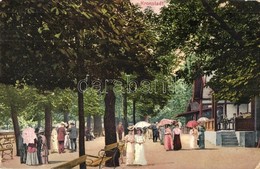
x=163, y=122
x=192, y=123
x=28, y=135
x=142, y=124
x=203, y=119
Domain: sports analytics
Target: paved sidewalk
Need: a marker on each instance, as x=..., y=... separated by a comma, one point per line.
x=212, y=157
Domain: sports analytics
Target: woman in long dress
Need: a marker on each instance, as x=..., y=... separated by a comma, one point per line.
x=168, y=141
x=54, y=141
x=139, y=149
x=32, y=158
x=61, y=137
x=44, y=148
x=193, y=137
x=201, y=130
x=177, y=138
x=130, y=146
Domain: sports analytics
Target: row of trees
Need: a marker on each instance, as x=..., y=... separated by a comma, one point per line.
x=56, y=44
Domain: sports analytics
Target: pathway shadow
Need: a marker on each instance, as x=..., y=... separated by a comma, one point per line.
x=196, y=149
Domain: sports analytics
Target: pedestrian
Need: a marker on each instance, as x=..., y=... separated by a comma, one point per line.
x=42, y=143
x=61, y=137
x=193, y=137
x=32, y=158
x=73, y=134
x=38, y=145
x=139, y=148
x=120, y=131
x=155, y=132
x=201, y=130
x=54, y=140
x=161, y=134
x=179, y=123
x=67, y=144
x=168, y=141
x=177, y=138
x=23, y=149
x=130, y=146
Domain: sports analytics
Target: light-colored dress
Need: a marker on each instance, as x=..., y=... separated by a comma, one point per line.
x=32, y=158
x=130, y=148
x=168, y=141
x=139, y=150
x=193, y=138
x=44, y=150
x=54, y=141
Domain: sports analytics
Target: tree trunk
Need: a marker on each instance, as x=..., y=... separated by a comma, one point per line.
x=81, y=127
x=66, y=117
x=89, y=121
x=97, y=125
x=257, y=118
x=48, y=124
x=125, y=112
x=16, y=128
x=109, y=123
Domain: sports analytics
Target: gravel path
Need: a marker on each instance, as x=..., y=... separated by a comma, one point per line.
x=212, y=157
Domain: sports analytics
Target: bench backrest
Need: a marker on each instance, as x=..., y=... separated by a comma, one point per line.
x=72, y=163
x=111, y=146
x=110, y=149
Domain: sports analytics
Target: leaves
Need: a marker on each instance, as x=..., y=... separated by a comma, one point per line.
x=218, y=40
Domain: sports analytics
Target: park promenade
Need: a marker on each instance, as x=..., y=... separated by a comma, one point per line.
x=213, y=157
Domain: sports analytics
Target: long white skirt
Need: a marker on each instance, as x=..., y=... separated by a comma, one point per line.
x=32, y=158
x=139, y=155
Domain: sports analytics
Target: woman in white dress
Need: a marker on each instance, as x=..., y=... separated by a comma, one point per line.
x=130, y=146
x=193, y=137
x=139, y=149
x=54, y=141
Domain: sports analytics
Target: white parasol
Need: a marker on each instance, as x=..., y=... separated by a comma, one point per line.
x=203, y=119
x=142, y=124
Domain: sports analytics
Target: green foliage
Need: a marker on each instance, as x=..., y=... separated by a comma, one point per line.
x=93, y=102
x=181, y=94
x=219, y=38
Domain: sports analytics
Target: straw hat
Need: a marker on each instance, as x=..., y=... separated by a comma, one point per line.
x=130, y=127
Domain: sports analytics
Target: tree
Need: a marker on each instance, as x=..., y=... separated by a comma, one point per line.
x=14, y=99
x=56, y=41
x=219, y=38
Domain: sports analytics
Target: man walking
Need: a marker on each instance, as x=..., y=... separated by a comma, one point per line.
x=155, y=132
x=73, y=134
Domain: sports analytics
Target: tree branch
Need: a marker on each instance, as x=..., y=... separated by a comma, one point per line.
x=223, y=24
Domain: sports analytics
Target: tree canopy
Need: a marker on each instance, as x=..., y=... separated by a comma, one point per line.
x=219, y=38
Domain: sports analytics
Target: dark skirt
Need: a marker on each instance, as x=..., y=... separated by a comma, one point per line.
x=177, y=142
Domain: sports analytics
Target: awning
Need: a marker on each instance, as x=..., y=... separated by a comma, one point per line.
x=188, y=113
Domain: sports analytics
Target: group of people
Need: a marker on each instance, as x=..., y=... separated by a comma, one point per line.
x=134, y=142
x=64, y=137
x=172, y=137
x=34, y=152
x=197, y=139
x=168, y=134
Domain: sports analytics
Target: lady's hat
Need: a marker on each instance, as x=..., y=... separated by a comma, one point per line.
x=41, y=130
x=130, y=127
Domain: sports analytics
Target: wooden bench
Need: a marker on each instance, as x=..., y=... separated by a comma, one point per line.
x=6, y=147
x=92, y=160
